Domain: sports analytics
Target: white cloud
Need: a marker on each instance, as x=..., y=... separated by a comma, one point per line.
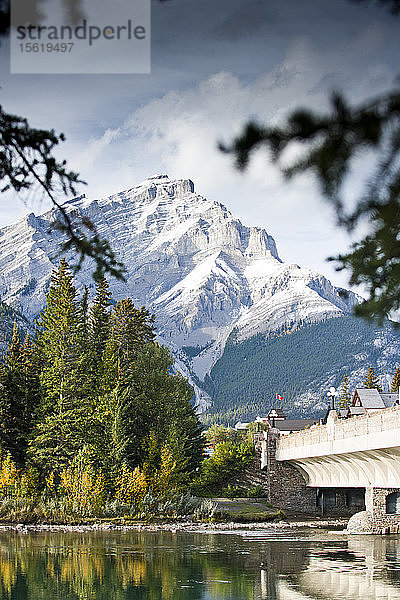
x=178, y=133
x=95, y=148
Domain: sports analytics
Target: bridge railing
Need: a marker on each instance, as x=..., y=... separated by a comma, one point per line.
x=315, y=435
x=337, y=429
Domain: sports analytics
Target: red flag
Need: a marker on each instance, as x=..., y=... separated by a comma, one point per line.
x=278, y=397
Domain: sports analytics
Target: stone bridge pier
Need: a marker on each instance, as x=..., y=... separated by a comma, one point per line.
x=381, y=515
x=286, y=486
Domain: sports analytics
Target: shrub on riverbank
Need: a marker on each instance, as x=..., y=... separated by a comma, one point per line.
x=205, y=510
x=229, y=457
x=62, y=511
x=80, y=493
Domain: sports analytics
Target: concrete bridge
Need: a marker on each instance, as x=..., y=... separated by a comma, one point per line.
x=360, y=453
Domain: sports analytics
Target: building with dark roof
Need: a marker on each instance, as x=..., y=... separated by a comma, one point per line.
x=292, y=425
x=370, y=399
x=390, y=398
x=277, y=418
x=277, y=413
x=367, y=400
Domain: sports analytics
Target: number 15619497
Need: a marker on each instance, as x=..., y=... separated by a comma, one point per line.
x=46, y=47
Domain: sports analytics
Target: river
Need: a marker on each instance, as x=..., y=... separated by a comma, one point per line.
x=254, y=564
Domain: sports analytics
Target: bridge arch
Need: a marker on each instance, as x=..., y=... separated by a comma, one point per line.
x=393, y=503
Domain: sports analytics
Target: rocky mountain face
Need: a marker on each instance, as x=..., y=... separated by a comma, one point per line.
x=9, y=318
x=300, y=365
x=189, y=260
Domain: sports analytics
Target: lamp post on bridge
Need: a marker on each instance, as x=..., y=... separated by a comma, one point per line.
x=273, y=415
x=332, y=395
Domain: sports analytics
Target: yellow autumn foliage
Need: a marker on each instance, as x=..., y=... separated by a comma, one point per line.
x=82, y=487
x=166, y=477
x=50, y=485
x=131, y=486
x=9, y=476
x=15, y=482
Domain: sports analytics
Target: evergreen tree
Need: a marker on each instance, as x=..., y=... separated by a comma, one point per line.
x=396, y=381
x=154, y=399
x=131, y=330
x=19, y=397
x=83, y=315
x=99, y=333
x=100, y=317
x=67, y=415
x=344, y=398
x=123, y=333
x=174, y=464
x=371, y=381
x=83, y=351
x=58, y=338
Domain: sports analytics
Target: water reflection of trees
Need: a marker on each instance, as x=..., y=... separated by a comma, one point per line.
x=166, y=566
x=120, y=566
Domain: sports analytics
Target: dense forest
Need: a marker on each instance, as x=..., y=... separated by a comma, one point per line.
x=91, y=410
x=246, y=379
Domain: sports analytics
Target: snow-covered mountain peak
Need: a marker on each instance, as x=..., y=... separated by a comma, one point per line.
x=200, y=270
x=158, y=178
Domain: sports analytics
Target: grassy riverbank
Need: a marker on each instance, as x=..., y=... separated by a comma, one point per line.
x=246, y=510
x=184, y=507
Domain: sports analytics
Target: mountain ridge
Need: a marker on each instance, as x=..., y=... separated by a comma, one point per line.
x=189, y=260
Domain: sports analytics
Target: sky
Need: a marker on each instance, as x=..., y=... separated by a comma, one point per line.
x=214, y=65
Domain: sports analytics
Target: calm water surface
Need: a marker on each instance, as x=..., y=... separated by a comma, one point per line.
x=237, y=565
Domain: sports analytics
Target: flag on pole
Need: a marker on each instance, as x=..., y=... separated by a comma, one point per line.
x=278, y=397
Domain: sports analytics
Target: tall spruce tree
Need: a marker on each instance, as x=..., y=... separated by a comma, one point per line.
x=57, y=339
x=100, y=316
x=131, y=329
x=20, y=394
x=371, y=381
x=67, y=413
x=99, y=319
x=396, y=381
x=83, y=312
x=344, y=398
